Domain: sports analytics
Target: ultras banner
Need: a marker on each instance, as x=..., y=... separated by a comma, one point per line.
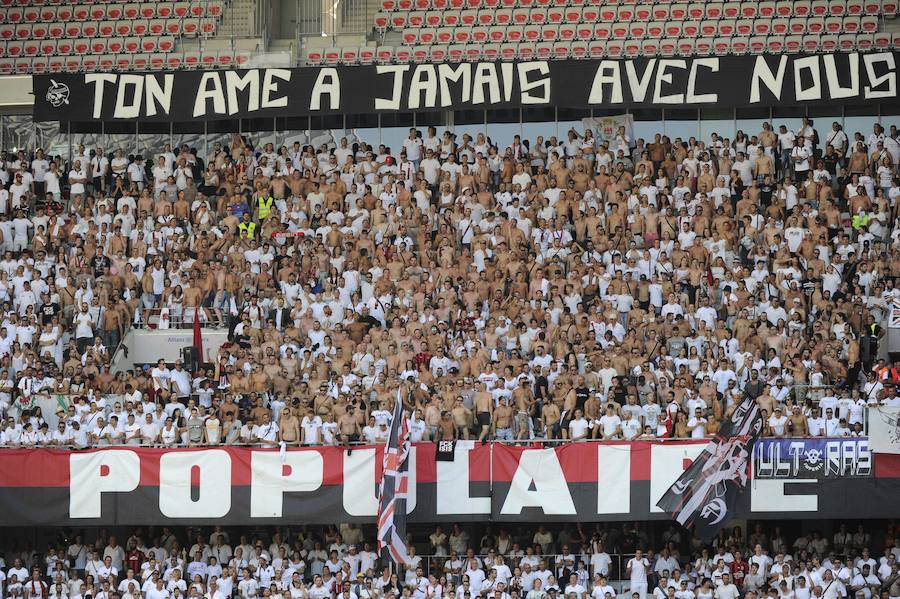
x=812, y=458
x=728, y=81
x=237, y=485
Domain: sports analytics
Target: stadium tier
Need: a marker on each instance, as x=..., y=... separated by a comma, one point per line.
x=37, y=37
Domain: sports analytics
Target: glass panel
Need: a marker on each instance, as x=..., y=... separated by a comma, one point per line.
x=716, y=120
x=678, y=123
x=860, y=118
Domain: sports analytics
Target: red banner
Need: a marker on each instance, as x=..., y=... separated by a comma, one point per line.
x=239, y=485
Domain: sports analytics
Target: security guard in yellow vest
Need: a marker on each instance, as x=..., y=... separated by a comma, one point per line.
x=247, y=228
x=264, y=207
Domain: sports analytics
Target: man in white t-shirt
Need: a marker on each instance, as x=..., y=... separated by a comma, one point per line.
x=579, y=428
x=609, y=425
x=636, y=569
x=800, y=160
x=413, y=146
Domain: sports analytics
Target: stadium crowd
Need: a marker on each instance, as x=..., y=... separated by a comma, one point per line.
x=556, y=289
x=574, y=562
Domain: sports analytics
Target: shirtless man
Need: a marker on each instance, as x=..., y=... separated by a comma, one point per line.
x=483, y=408
x=447, y=428
x=462, y=418
x=348, y=428
x=503, y=421
x=289, y=425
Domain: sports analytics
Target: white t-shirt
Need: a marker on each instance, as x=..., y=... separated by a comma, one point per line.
x=638, y=570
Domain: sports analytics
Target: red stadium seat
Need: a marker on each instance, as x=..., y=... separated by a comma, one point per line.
x=668, y=46
x=31, y=47
x=157, y=62
x=63, y=47
x=132, y=45
x=456, y=52
x=98, y=45
x=427, y=35
x=140, y=62
x=793, y=43
x=762, y=27
x=722, y=46
x=73, y=64
x=192, y=59
x=740, y=45
x=704, y=46
x=173, y=61
x=462, y=35
x=139, y=27
x=39, y=65
x=757, y=45
x=191, y=27
x=115, y=45
x=81, y=46
x=89, y=29
x=579, y=50
x=14, y=49
x=438, y=53
x=22, y=66
x=696, y=11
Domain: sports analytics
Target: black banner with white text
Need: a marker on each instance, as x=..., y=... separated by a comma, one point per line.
x=728, y=81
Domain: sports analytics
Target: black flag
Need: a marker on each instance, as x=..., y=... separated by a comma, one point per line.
x=703, y=497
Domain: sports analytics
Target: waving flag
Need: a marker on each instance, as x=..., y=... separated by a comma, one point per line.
x=704, y=495
x=393, y=490
x=198, y=340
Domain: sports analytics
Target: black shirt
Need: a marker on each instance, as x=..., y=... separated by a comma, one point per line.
x=48, y=311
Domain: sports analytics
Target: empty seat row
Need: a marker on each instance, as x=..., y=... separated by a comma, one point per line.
x=98, y=11
x=72, y=29
x=636, y=30
x=122, y=62
x=770, y=8
x=587, y=16
x=703, y=46
x=81, y=46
